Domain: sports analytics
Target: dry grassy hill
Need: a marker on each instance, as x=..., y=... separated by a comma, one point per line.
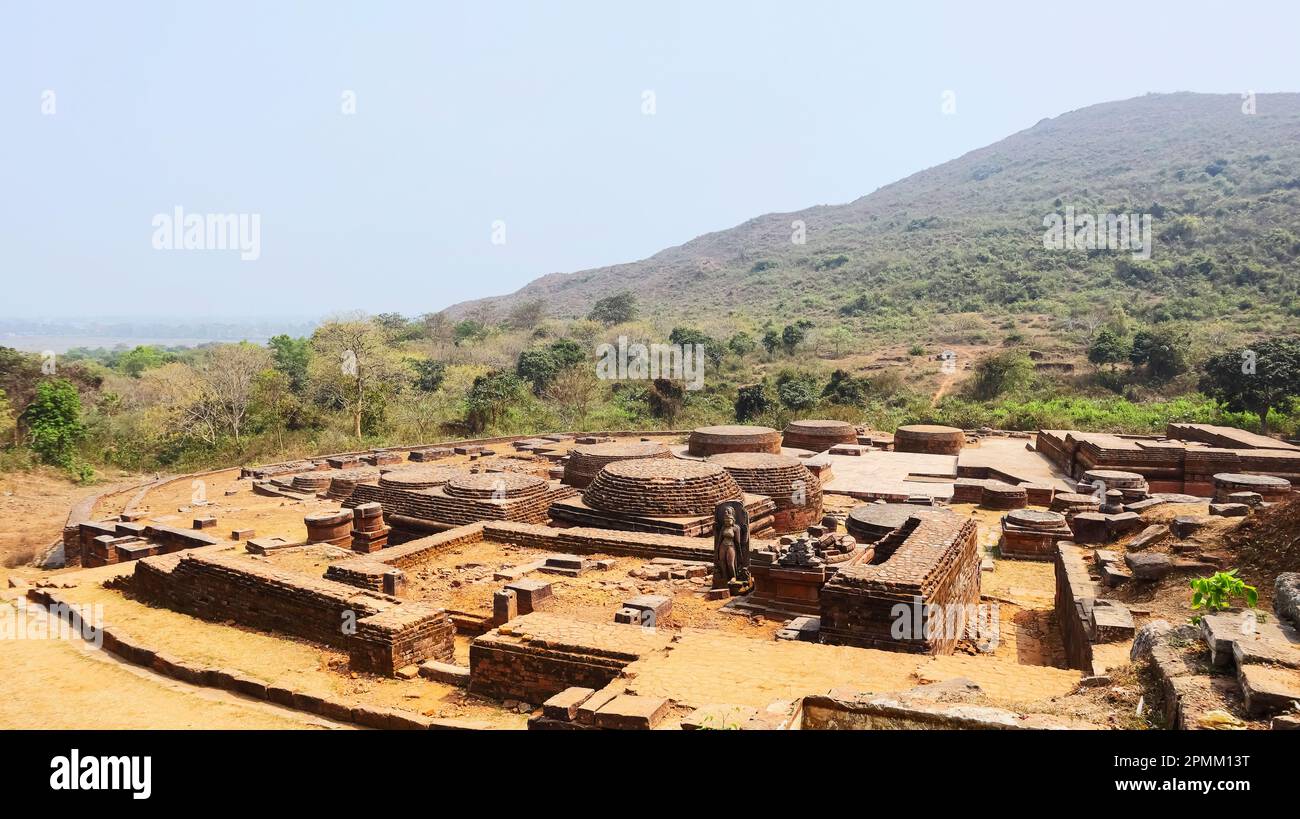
x=967, y=236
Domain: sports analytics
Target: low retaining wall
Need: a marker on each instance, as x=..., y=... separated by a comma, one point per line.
x=381, y=633
x=130, y=650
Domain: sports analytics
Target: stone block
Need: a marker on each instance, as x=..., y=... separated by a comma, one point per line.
x=631, y=712
x=533, y=595
x=445, y=673
x=206, y=522
x=1229, y=510
x=1269, y=689
x=1186, y=525
x=1149, y=566
x=656, y=609
x=505, y=606
x=565, y=705
x=1149, y=536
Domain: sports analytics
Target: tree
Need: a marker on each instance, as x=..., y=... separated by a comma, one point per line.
x=771, y=340
x=54, y=421
x=615, y=309
x=1256, y=379
x=291, y=356
x=742, y=344
x=439, y=329
x=1162, y=351
x=665, y=399
x=752, y=401
x=273, y=402
x=839, y=337
x=798, y=391
x=141, y=358
x=354, y=368
x=689, y=335
x=490, y=398
x=847, y=390
x=792, y=336
x=429, y=375
x=572, y=393
x=541, y=365
x=527, y=315
x=397, y=327
x=229, y=372
x=7, y=422
x=1000, y=373
x=1109, y=347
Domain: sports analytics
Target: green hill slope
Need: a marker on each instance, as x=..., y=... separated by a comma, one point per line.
x=1223, y=189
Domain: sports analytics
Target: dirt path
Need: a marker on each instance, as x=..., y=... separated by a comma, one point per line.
x=59, y=683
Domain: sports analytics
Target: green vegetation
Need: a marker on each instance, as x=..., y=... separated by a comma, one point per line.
x=1216, y=592
x=1258, y=379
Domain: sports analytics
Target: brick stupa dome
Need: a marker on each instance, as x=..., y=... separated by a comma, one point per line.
x=586, y=460
x=658, y=487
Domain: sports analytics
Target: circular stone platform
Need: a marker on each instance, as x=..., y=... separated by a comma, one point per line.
x=586, y=460
x=1269, y=488
x=344, y=481
x=1035, y=519
x=1115, y=479
x=655, y=487
x=1071, y=503
x=794, y=490
x=330, y=527
x=817, y=435
x=419, y=477
x=495, y=485
x=1003, y=496
x=313, y=481
x=872, y=521
x=733, y=438
x=929, y=439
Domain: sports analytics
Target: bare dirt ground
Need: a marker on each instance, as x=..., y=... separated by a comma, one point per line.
x=462, y=579
x=61, y=683
x=274, y=658
x=34, y=506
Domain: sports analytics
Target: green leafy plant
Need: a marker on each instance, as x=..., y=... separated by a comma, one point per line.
x=1216, y=592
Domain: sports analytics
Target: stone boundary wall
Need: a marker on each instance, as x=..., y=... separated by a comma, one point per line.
x=388, y=633
x=936, y=561
x=129, y=650
x=247, y=471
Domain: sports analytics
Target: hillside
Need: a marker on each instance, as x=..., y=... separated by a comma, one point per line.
x=966, y=236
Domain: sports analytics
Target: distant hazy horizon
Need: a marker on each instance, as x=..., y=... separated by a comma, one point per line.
x=384, y=146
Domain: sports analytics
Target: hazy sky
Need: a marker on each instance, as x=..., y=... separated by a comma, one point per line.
x=527, y=113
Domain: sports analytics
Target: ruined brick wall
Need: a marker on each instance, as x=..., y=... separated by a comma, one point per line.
x=535, y=657
x=1073, y=588
x=377, y=630
x=368, y=572
x=937, y=563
